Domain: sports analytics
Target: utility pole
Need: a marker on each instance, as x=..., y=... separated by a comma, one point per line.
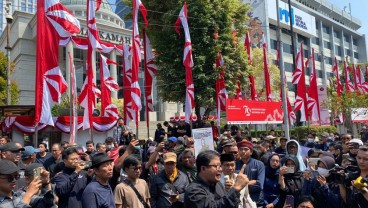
x=282, y=74
x=9, y=21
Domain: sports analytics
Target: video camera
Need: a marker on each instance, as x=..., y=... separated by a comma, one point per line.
x=341, y=175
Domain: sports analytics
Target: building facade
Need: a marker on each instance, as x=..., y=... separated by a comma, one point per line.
x=111, y=29
x=320, y=25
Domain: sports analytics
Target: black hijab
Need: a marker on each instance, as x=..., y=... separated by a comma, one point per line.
x=272, y=173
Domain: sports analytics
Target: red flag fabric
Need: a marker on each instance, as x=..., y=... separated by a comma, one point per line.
x=365, y=83
x=299, y=79
x=221, y=92
x=150, y=71
x=108, y=84
x=313, y=101
x=54, y=21
x=136, y=56
x=129, y=113
x=238, y=92
x=348, y=83
x=359, y=79
x=266, y=70
x=339, y=88
x=187, y=61
x=247, y=46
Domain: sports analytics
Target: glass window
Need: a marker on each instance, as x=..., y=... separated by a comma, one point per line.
x=347, y=51
x=30, y=9
x=302, y=39
x=305, y=53
x=328, y=60
x=273, y=44
x=338, y=50
x=356, y=55
x=327, y=44
x=315, y=40
x=317, y=57
x=23, y=6
x=346, y=38
x=355, y=42
x=290, y=86
x=273, y=27
x=317, y=25
x=287, y=48
x=336, y=34
x=325, y=29
x=288, y=67
x=320, y=73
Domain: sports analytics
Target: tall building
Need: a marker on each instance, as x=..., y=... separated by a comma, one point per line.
x=9, y=6
x=331, y=31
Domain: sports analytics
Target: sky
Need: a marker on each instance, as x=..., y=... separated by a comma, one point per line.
x=358, y=10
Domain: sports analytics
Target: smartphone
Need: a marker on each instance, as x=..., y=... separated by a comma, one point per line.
x=37, y=172
x=226, y=177
x=289, y=201
x=290, y=170
x=313, y=161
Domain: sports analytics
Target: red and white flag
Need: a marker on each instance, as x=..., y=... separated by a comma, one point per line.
x=221, y=92
x=339, y=88
x=238, y=91
x=365, y=83
x=348, y=83
x=108, y=85
x=187, y=61
x=74, y=103
x=136, y=55
x=54, y=21
x=266, y=70
x=299, y=79
x=150, y=71
x=129, y=113
x=247, y=46
x=359, y=79
x=313, y=101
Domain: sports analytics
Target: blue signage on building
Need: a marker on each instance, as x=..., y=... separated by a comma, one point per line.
x=295, y=19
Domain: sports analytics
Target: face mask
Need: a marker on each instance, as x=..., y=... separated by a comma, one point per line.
x=323, y=172
x=310, y=140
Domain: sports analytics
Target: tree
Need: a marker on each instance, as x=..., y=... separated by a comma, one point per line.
x=205, y=17
x=14, y=89
x=258, y=71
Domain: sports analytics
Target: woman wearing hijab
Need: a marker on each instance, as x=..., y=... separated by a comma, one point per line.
x=290, y=180
x=271, y=185
x=293, y=148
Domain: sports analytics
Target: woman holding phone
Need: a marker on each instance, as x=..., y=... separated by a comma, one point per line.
x=290, y=181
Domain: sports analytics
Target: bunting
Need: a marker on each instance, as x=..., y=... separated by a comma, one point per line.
x=313, y=101
x=299, y=79
x=187, y=61
x=54, y=21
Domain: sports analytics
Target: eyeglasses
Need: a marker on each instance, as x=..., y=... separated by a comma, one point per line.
x=218, y=167
x=11, y=178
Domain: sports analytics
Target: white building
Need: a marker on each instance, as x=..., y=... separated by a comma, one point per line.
x=112, y=30
x=332, y=32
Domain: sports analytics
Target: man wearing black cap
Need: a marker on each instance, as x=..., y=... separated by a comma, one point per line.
x=8, y=180
x=98, y=192
x=71, y=182
x=10, y=151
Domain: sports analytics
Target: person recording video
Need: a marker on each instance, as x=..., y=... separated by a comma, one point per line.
x=122, y=133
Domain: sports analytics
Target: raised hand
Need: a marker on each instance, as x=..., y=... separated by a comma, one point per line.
x=241, y=180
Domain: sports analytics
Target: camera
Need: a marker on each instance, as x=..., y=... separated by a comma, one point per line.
x=340, y=175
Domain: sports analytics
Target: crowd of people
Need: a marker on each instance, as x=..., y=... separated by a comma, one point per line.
x=318, y=171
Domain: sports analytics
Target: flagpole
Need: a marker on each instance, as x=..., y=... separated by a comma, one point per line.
x=282, y=72
x=145, y=69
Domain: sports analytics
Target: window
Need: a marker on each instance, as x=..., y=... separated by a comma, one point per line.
x=356, y=55
x=23, y=6
x=327, y=45
x=317, y=25
x=320, y=73
x=273, y=44
x=288, y=67
x=285, y=31
x=30, y=9
x=346, y=38
x=273, y=27
x=328, y=60
x=317, y=57
x=290, y=86
x=315, y=41
x=305, y=53
x=325, y=29
x=355, y=42
x=338, y=50
x=347, y=51
x=336, y=34
x=287, y=48
x=302, y=39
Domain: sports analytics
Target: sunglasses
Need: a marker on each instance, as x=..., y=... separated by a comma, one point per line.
x=11, y=178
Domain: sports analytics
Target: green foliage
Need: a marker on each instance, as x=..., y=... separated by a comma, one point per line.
x=205, y=17
x=14, y=89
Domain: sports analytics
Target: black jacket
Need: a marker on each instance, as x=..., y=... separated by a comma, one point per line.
x=161, y=189
x=201, y=195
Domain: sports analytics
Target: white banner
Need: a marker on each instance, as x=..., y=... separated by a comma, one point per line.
x=324, y=111
x=359, y=115
x=203, y=140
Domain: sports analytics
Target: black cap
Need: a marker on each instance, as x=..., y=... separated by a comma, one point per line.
x=29, y=168
x=7, y=167
x=227, y=157
x=11, y=146
x=100, y=158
